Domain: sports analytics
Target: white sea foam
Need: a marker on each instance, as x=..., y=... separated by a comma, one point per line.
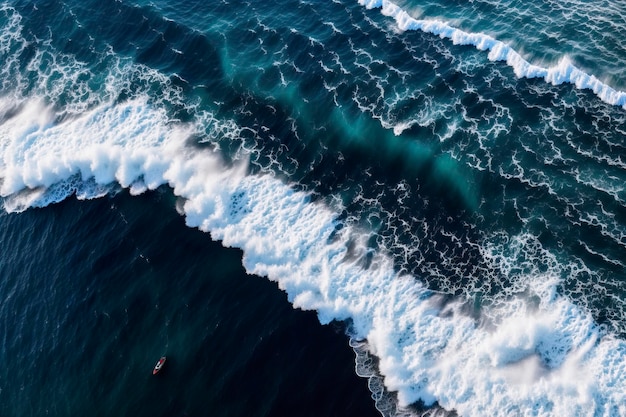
x=534, y=354
x=564, y=72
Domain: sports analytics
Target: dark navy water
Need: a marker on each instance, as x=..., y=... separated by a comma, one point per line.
x=313, y=208
x=94, y=294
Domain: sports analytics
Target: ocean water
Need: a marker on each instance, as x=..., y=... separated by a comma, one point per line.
x=313, y=208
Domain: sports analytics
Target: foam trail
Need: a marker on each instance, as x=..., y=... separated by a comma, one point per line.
x=564, y=72
x=545, y=358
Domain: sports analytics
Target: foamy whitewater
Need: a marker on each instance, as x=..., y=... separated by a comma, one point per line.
x=533, y=352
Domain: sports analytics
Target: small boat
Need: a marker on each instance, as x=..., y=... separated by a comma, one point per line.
x=159, y=365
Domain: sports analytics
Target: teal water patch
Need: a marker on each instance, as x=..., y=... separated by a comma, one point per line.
x=314, y=107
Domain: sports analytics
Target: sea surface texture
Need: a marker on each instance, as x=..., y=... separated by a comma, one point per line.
x=313, y=208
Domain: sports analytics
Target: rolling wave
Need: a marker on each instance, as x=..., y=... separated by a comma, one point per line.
x=564, y=72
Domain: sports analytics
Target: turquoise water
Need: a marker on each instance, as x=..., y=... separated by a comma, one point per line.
x=341, y=207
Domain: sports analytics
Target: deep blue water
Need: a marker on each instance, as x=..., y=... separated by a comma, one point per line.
x=313, y=208
x=94, y=294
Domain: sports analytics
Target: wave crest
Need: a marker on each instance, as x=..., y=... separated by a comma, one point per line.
x=564, y=72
